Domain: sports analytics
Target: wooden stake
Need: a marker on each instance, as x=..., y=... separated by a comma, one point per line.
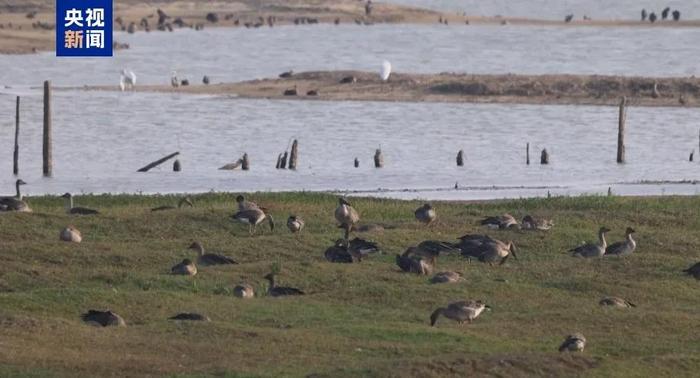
x=690, y=158
x=283, y=164
x=279, y=161
x=357, y=162
x=544, y=157
x=177, y=167
x=378, y=158
x=460, y=158
x=158, y=162
x=246, y=163
x=15, y=156
x=293, y=156
x=621, y=131
x=527, y=153
x=47, y=156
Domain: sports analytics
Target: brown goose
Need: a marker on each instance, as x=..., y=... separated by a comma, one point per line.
x=624, y=247
x=500, y=222
x=103, y=318
x=279, y=291
x=210, y=258
x=243, y=291
x=531, y=223
x=254, y=217
x=425, y=214
x=616, y=302
x=346, y=215
x=340, y=253
x=497, y=251
x=459, y=311
x=244, y=205
x=694, y=271
x=415, y=260
x=70, y=209
x=295, y=224
x=573, y=343
x=185, y=268
x=446, y=277
x=185, y=201
x=15, y=203
x=592, y=249
x=71, y=234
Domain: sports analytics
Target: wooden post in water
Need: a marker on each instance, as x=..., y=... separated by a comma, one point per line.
x=378, y=158
x=690, y=158
x=544, y=157
x=283, y=165
x=279, y=161
x=293, y=155
x=246, y=163
x=15, y=155
x=527, y=153
x=177, y=167
x=48, y=159
x=460, y=158
x=357, y=162
x=621, y=132
x=158, y=162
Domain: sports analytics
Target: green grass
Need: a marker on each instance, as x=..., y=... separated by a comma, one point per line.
x=362, y=319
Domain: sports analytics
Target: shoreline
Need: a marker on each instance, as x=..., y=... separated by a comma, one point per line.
x=26, y=29
x=454, y=88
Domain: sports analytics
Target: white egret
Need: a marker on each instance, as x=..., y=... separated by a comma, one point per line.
x=386, y=70
x=127, y=80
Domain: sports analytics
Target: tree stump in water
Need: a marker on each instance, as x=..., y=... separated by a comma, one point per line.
x=460, y=158
x=357, y=162
x=621, y=131
x=293, y=155
x=283, y=163
x=245, y=163
x=177, y=167
x=527, y=154
x=690, y=158
x=279, y=161
x=378, y=159
x=544, y=157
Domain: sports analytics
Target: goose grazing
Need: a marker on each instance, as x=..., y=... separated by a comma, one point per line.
x=174, y=81
x=500, y=222
x=70, y=234
x=103, y=318
x=244, y=205
x=206, y=259
x=472, y=245
x=573, y=343
x=70, y=209
x=185, y=201
x=386, y=70
x=243, y=291
x=346, y=215
x=254, y=217
x=190, y=316
x=624, y=247
x=15, y=203
x=185, y=268
x=127, y=80
x=280, y=291
x=540, y=224
x=497, y=251
x=693, y=271
x=295, y=224
x=416, y=260
x=459, y=311
x=592, y=249
x=446, y=277
x=434, y=247
x=425, y=214
x=616, y=302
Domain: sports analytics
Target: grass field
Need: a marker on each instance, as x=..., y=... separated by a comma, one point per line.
x=365, y=319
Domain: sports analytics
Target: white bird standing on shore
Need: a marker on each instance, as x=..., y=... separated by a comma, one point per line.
x=386, y=70
x=127, y=80
x=174, y=80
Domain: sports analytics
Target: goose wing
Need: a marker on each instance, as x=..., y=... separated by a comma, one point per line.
x=363, y=246
x=616, y=248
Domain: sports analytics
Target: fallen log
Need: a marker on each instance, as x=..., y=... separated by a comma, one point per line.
x=158, y=162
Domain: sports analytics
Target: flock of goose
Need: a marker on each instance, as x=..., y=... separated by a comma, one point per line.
x=420, y=259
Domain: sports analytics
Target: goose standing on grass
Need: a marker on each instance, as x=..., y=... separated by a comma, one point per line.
x=500, y=222
x=70, y=209
x=127, y=80
x=446, y=277
x=243, y=291
x=15, y=203
x=185, y=201
x=346, y=215
x=616, y=302
x=206, y=259
x=459, y=311
x=693, y=271
x=254, y=217
x=103, y=318
x=592, y=249
x=185, y=268
x=624, y=247
x=425, y=214
x=295, y=224
x=71, y=234
x=573, y=343
x=531, y=223
x=280, y=291
x=244, y=205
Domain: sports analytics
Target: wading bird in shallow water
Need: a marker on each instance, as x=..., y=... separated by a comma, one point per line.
x=15, y=203
x=459, y=311
x=592, y=249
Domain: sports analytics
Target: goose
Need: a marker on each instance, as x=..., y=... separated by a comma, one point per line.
x=459, y=311
x=694, y=271
x=279, y=291
x=446, y=277
x=432, y=247
x=295, y=224
x=472, y=245
x=243, y=291
x=185, y=268
x=500, y=221
x=127, y=80
x=185, y=201
x=414, y=260
x=15, y=203
x=346, y=215
x=531, y=223
x=174, y=80
x=254, y=217
x=616, y=302
x=70, y=234
x=497, y=251
x=103, y=318
x=340, y=253
x=573, y=343
x=348, y=80
x=70, y=209
x=362, y=247
x=210, y=258
x=624, y=247
x=243, y=204
x=425, y=214
x=290, y=92
x=592, y=249
x=190, y=316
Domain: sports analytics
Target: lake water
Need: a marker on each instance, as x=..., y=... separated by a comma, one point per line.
x=102, y=138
